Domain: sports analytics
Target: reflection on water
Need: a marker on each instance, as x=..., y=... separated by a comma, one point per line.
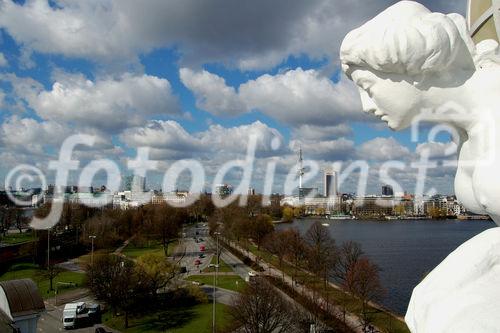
x=404, y=250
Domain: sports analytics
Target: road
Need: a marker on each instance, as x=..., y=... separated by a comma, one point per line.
x=188, y=250
x=51, y=319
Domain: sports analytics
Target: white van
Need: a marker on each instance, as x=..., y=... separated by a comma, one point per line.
x=70, y=314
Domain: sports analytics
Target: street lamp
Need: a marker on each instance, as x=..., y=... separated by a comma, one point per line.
x=214, y=329
x=92, y=237
x=216, y=266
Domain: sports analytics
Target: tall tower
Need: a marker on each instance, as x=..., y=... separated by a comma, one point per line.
x=301, y=168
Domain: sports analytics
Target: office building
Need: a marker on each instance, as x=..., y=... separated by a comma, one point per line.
x=387, y=190
x=330, y=183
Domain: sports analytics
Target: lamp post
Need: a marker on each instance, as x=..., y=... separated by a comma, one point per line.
x=214, y=328
x=92, y=237
x=213, y=297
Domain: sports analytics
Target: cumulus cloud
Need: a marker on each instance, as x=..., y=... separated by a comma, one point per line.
x=383, y=149
x=108, y=104
x=211, y=93
x=294, y=97
x=255, y=35
x=169, y=139
x=312, y=132
x=437, y=149
x=329, y=150
x=30, y=136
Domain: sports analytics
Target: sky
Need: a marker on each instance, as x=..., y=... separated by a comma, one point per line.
x=195, y=80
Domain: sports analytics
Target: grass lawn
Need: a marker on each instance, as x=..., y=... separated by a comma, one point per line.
x=223, y=267
x=230, y=282
x=17, y=238
x=135, y=252
x=23, y=271
x=179, y=320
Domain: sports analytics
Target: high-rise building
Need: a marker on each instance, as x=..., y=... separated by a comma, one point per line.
x=483, y=18
x=135, y=183
x=330, y=185
x=387, y=190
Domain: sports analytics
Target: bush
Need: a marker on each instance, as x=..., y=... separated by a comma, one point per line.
x=197, y=294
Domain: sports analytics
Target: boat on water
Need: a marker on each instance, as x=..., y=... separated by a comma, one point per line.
x=325, y=224
x=340, y=217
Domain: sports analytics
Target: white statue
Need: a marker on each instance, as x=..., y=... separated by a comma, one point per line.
x=406, y=62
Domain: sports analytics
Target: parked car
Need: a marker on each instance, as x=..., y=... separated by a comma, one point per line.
x=201, y=256
x=95, y=313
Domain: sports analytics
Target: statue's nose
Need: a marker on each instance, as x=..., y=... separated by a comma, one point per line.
x=366, y=102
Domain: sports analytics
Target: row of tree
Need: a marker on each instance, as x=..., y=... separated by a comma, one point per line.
x=315, y=252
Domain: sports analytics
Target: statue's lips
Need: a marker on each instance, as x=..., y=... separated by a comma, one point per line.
x=379, y=114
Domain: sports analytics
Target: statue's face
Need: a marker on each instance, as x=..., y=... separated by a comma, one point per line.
x=391, y=97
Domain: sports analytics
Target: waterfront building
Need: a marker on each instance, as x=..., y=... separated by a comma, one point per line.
x=373, y=206
x=387, y=190
x=483, y=19
x=223, y=190
x=176, y=197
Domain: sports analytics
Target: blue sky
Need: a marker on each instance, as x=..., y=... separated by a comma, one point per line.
x=192, y=79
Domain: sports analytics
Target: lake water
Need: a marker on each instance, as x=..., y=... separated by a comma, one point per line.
x=404, y=250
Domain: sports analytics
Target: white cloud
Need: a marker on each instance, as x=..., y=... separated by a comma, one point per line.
x=30, y=136
x=106, y=104
x=211, y=93
x=169, y=139
x=329, y=150
x=256, y=35
x=3, y=60
x=295, y=97
x=312, y=132
x=437, y=149
x=383, y=149
x=302, y=97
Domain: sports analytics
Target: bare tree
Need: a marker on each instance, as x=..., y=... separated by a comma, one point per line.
x=279, y=244
x=262, y=309
x=363, y=281
x=347, y=256
x=5, y=219
x=297, y=250
x=321, y=251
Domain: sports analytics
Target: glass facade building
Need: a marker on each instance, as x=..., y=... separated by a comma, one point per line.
x=483, y=18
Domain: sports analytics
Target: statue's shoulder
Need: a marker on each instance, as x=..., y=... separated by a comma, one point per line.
x=487, y=54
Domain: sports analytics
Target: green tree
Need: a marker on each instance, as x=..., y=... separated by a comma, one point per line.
x=288, y=214
x=260, y=227
x=156, y=272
